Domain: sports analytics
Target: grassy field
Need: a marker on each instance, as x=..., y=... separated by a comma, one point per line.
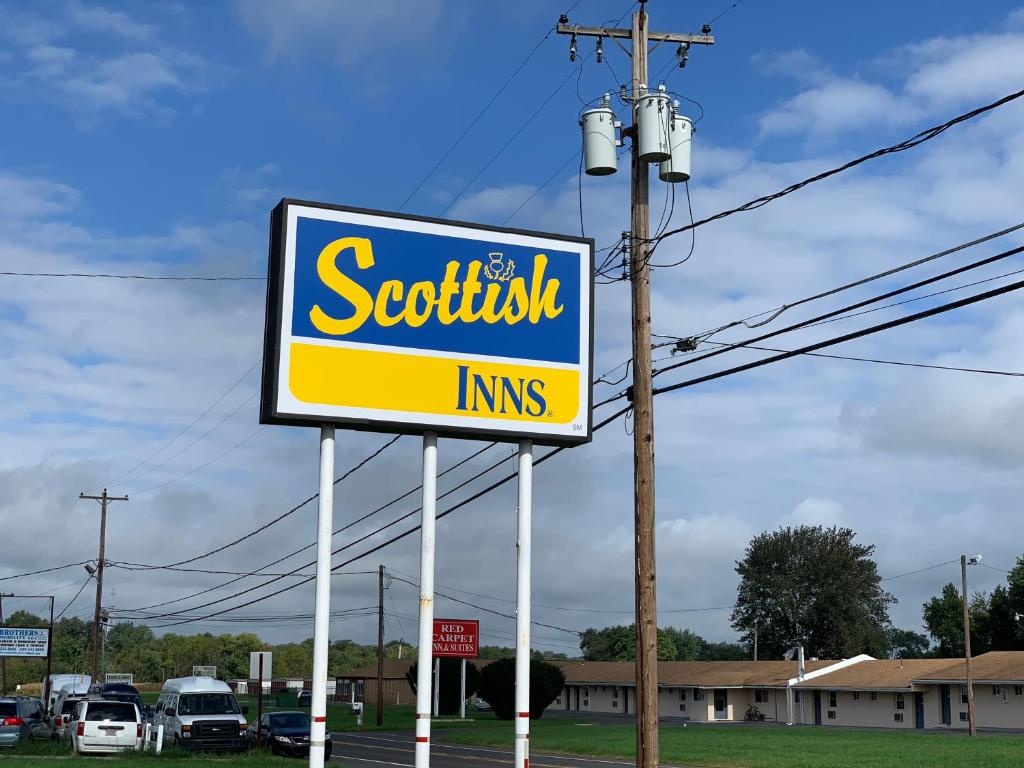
x=765, y=746
x=33, y=754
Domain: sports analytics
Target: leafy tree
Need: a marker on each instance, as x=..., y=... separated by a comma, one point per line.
x=618, y=643
x=723, y=652
x=686, y=645
x=813, y=585
x=907, y=644
x=498, y=687
x=450, y=687
x=496, y=652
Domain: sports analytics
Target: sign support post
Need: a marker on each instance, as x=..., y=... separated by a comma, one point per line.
x=49, y=661
x=462, y=691
x=426, y=639
x=523, y=542
x=437, y=687
x=321, y=622
x=259, y=706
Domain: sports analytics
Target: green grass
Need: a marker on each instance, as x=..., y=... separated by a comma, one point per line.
x=37, y=753
x=765, y=746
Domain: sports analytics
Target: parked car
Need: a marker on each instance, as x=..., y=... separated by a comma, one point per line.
x=57, y=683
x=21, y=718
x=285, y=733
x=305, y=698
x=99, y=725
x=63, y=709
x=118, y=692
x=201, y=713
x=482, y=706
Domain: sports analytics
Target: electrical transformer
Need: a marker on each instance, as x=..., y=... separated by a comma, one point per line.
x=599, y=144
x=680, y=136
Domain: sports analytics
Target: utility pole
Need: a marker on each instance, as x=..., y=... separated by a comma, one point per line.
x=641, y=389
x=3, y=659
x=103, y=500
x=972, y=725
x=380, y=645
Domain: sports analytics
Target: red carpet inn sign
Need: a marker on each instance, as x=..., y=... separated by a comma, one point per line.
x=457, y=639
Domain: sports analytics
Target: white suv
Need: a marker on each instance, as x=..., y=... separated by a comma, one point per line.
x=98, y=725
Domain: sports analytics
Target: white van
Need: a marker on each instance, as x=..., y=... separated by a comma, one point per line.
x=57, y=682
x=201, y=713
x=98, y=725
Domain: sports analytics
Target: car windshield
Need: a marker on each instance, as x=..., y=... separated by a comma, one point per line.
x=110, y=710
x=289, y=720
x=8, y=709
x=208, y=704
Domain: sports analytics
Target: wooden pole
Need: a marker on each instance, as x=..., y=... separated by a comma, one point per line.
x=972, y=725
x=643, y=432
x=380, y=645
x=104, y=500
x=49, y=663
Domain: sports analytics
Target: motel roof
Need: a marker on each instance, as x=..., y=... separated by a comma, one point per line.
x=992, y=667
x=877, y=674
x=696, y=674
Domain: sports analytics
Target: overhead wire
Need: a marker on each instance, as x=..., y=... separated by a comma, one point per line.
x=926, y=135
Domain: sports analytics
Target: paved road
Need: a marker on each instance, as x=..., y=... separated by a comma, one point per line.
x=397, y=749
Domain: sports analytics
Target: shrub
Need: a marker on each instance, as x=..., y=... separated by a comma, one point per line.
x=498, y=686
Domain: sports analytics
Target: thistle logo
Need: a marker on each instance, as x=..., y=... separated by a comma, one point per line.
x=496, y=270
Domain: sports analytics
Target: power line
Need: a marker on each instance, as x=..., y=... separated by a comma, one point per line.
x=191, y=424
x=43, y=570
x=840, y=339
x=126, y=565
x=914, y=141
x=202, y=466
x=291, y=511
x=835, y=313
x=72, y=600
x=919, y=570
x=881, y=362
x=112, y=276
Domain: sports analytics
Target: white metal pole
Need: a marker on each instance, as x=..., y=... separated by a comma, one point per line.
x=321, y=621
x=462, y=692
x=523, y=546
x=426, y=634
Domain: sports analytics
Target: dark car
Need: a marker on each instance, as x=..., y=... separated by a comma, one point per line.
x=118, y=692
x=21, y=718
x=285, y=733
x=305, y=698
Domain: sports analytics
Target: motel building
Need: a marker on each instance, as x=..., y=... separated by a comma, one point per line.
x=857, y=692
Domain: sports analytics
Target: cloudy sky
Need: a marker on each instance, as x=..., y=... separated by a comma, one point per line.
x=155, y=139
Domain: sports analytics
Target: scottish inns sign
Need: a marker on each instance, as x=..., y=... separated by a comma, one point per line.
x=385, y=322
x=456, y=638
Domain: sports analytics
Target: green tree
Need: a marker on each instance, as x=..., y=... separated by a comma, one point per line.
x=944, y=619
x=723, y=652
x=498, y=687
x=811, y=585
x=618, y=643
x=686, y=644
x=908, y=644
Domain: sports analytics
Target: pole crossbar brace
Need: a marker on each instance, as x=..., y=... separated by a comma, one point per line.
x=614, y=32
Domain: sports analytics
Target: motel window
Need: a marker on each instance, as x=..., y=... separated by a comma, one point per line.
x=682, y=707
x=963, y=716
x=796, y=697
x=856, y=695
x=963, y=694
x=899, y=704
x=760, y=696
x=615, y=693
x=1018, y=690
x=615, y=703
x=682, y=694
x=698, y=694
x=898, y=717
x=832, y=697
x=995, y=690
x=874, y=695
x=831, y=714
x=360, y=687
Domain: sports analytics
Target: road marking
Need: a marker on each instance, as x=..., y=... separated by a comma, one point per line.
x=350, y=759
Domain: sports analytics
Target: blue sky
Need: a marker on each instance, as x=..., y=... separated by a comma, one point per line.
x=155, y=138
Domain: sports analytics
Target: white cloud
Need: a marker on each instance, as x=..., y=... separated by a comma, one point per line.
x=131, y=71
x=348, y=32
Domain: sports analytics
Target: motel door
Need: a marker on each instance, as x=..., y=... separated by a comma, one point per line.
x=721, y=704
x=919, y=710
x=947, y=718
x=817, y=707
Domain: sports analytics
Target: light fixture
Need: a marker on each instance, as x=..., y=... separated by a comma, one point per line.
x=91, y=569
